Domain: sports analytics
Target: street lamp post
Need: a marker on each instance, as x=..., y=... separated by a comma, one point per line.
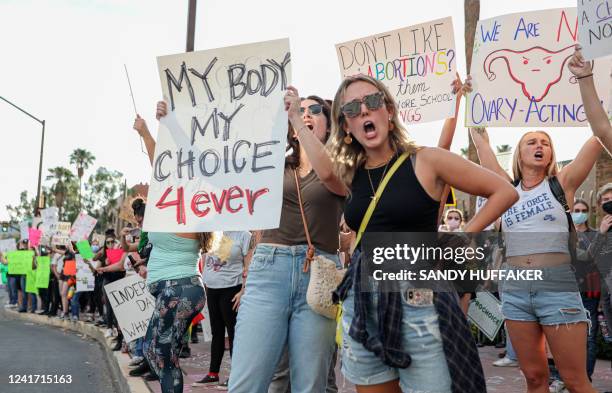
x=42, y=144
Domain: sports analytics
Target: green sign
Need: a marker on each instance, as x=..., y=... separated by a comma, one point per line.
x=31, y=282
x=19, y=262
x=85, y=249
x=3, y=270
x=42, y=272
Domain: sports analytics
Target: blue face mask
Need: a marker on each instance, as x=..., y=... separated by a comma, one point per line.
x=95, y=248
x=579, y=218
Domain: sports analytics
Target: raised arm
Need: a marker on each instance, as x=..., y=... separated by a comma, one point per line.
x=450, y=124
x=315, y=150
x=595, y=113
x=485, y=152
x=573, y=174
x=140, y=125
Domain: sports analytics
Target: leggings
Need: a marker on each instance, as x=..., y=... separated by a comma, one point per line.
x=177, y=302
x=221, y=316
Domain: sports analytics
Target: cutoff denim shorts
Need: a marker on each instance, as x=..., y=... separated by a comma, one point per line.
x=525, y=301
x=428, y=372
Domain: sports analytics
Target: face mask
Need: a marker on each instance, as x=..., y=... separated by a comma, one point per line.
x=453, y=224
x=607, y=207
x=95, y=248
x=579, y=218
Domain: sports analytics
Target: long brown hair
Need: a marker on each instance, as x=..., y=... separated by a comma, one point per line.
x=347, y=158
x=205, y=239
x=292, y=161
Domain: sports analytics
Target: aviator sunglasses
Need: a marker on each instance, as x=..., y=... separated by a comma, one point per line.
x=372, y=101
x=314, y=109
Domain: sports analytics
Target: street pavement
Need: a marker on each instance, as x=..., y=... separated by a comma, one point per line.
x=30, y=349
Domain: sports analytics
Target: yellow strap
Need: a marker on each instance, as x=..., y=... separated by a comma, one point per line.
x=374, y=201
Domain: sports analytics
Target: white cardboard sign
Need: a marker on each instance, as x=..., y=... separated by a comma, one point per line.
x=85, y=278
x=485, y=313
x=595, y=28
x=82, y=227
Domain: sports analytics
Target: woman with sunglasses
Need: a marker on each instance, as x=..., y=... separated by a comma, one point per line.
x=423, y=341
x=537, y=236
x=273, y=312
x=174, y=280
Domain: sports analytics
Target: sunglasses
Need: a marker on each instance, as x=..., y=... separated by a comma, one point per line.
x=372, y=102
x=314, y=109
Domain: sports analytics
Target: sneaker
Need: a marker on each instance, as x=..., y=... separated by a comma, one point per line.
x=151, y=377
x=108, y=333
x=186, y=353
x=223, y=386
x=505, y=362
x=117, y=346
x=135, y=362
x=141, y=370
x=74, y=318
x=207, y=380
x=557, y=387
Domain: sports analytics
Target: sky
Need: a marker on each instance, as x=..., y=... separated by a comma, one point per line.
x=63, y=61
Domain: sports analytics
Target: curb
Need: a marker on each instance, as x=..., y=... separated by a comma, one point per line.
x=117, y=361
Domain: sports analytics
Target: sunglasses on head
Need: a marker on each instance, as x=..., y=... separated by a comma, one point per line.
x=314, y=109
x=372, y=102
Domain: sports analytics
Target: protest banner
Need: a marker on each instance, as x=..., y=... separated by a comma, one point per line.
x=85, y=280
x=85, y=249
x=69, y=268
x=24, y=227
x=417, y=64
x=34, y=236
x=50, y=217
x=7, y=245
x=43, y=271
x=19, y=262
x=60, y=233
x=31, y=282
x=132, y=304
x=82, y=227
x=485, y=313
x=113, y=255
x=595, y=28
x=519, y=72
x=219, y=157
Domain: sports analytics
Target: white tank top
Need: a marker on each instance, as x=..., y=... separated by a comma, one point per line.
x=536, y=224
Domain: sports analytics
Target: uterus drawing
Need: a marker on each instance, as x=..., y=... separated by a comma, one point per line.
x=536, y=69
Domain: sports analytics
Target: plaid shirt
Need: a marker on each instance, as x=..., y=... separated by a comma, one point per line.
x=458, y=344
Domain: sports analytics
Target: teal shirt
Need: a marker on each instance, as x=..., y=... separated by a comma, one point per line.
x=172, y=257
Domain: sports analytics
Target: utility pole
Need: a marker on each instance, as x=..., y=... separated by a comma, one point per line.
x=191, y=20
x=42, y=144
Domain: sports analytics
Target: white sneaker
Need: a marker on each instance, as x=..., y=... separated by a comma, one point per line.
x=505, y=362
x=109, y=332
x=557, y=387
x=135, y=362
x=74, y=318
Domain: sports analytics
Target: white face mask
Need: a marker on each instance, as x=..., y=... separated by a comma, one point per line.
x=452, y=223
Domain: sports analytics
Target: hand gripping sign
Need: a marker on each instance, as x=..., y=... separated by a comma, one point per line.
x=219, y=156
x=520, y=74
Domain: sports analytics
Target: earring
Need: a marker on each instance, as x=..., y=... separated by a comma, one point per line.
x=348, y=139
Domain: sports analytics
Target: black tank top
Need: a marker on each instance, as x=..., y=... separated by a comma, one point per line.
x=403, y=207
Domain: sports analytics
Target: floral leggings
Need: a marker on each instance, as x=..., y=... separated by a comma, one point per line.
x=177, y=303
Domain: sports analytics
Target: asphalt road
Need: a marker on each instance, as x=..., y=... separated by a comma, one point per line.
x=30, y=349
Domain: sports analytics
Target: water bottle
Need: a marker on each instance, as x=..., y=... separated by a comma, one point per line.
x=605, y=329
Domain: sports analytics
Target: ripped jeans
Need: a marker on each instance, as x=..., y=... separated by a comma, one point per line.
x=547, y=302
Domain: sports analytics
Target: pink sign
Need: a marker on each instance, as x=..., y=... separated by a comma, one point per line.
x=35, y=236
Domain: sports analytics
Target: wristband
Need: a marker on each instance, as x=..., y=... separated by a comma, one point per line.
x=584, y=76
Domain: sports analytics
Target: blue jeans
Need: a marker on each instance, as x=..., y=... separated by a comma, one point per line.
x=12, y=287
x=273, y=314
x=26, y=296
x=138, y=351
x=591, y=306
x=74, y=304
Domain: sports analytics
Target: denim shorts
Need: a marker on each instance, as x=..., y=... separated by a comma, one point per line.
x=527, y=302
x=428, y=372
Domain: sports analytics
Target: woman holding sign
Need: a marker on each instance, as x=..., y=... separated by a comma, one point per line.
x=537, y=233
x=422, y=339
x=174, y=280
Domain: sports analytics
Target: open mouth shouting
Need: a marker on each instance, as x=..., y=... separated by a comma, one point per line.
x=370, y=130
x=539, y=155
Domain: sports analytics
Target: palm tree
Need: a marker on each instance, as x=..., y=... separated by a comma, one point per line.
x=62, y=177
x=471, y=9
x=83, y=160
x=503, y=149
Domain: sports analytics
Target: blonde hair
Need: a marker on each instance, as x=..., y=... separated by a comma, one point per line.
x=606, y=188
x=551, y=170
x=457, y=211
x=347, y=158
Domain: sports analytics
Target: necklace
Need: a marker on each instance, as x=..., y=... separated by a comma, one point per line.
x=381, y=179
x=528, y=188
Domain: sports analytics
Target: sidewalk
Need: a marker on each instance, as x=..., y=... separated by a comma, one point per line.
x=499, y=379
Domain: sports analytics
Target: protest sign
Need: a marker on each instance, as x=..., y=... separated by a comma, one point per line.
x=31, y=282
x=34, y=235
x=519, y=72
x=85, y=249
x=24, y=230
x=60, y=233
x=417, y=64
x=43, y=271
x=3, y=271
x=50, y=217
x=100, y=238
x=113, y=255
x=219, y=157
x=132, y=304
x=82, y=227
x=85, y=280
x=595, y=28
x=19, y=262
x=7, y=245
x=70, y=268
x=485, y=313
